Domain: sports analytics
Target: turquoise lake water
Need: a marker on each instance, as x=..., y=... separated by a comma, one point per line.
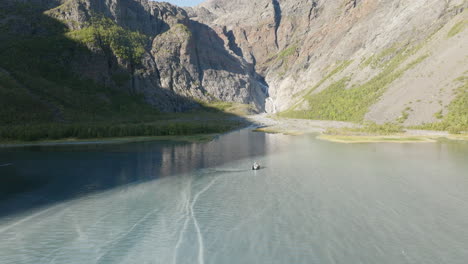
x=163, y=202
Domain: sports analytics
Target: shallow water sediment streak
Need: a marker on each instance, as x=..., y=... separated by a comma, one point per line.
x=313, y=202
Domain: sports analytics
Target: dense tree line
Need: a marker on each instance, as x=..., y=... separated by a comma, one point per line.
x=83, y=131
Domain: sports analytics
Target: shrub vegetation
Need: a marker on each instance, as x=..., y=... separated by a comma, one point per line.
x=102, y=31
x=456, y=120
x=338, y=103
x=53, y=131
x=457, y=28
x=369, y=128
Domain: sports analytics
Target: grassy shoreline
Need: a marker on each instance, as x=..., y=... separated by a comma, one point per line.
x=396, y=138
x=196, y=138
x=376, y=139
x=369, y=138
x=187, y=137
x=208, y=120
x=184, y=130
x=31, y=133
x=347, y=132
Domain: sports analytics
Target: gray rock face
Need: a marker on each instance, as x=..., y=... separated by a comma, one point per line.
x=295, y=44
x=185, y=61
x=269, y=53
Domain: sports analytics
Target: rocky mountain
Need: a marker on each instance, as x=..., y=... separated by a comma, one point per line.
x=350, y=59
x=143, y=48
x=384, y=61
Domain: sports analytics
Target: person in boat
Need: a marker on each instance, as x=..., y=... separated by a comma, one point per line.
x=255, y=166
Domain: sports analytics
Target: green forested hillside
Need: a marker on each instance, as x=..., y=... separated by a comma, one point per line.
x=37, y=82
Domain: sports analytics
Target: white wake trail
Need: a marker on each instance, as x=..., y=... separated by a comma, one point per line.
x=78, y=230
x=29, y=218
x=190, y=212
x=201, y=249
x=241, y=224
x=187, y=218
x=127, y=232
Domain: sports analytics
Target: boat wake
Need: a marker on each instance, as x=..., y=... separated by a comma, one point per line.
x=190, y=213
x=226, y=171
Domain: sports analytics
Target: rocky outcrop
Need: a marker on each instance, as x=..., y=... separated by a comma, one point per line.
x=299, y=45
x=184, y=61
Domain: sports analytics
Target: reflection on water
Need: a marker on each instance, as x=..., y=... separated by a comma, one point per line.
x=54, y=173
x=314, y=202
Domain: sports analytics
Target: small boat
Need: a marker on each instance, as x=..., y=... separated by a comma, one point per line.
x=255, y=166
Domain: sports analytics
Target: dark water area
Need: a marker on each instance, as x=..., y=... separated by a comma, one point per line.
x=164, y=202
x=55, y=173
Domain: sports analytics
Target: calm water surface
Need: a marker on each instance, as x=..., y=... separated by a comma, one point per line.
x=314, y=202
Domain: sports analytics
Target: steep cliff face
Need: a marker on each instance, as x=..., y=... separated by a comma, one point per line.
x=181, y=57
x=349, y=59
x=144, y=48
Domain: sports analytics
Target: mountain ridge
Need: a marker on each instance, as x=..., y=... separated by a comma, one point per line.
x=319, y=55
x=341, y=59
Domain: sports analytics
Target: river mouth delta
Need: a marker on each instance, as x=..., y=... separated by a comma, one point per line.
x=313, y=201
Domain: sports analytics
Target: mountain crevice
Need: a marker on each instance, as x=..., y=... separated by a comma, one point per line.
x=277, y=19
x=312, y=12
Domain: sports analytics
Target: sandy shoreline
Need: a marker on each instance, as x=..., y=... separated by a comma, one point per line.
x=302, y=126
x=295, y=126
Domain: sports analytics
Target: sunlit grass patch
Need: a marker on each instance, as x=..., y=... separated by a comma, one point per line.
x=376, y=139
x=457, y=28
x=336, y=102
x=368, y=128
x=456, y=120
x=124, y=43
